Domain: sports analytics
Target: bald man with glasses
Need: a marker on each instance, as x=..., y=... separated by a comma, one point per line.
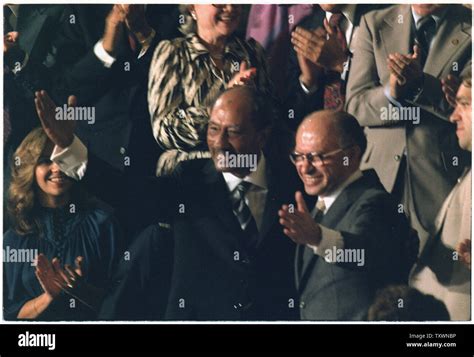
x=354, y=240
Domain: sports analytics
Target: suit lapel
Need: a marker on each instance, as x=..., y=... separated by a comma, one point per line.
x=217, y=192
x=272, y=204
x=449, y=39
x=396, y=34
x=330, y=220
x=30, y=24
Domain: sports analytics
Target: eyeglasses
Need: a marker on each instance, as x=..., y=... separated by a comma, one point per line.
x=314, y=158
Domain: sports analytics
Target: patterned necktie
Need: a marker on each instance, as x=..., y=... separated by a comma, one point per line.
x=318, y=210
x=244, y=215
x=334, y=90
x=424, y=35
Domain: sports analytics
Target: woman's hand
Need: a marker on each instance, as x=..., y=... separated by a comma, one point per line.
x=243, y=77
x=48, y=276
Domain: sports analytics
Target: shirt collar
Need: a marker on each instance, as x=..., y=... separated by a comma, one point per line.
x=256, y=178
x=348, y=11
x=329, y=199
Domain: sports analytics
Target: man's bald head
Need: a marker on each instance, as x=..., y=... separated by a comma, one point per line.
x=329, y=146
x=247, y=101
x=239, y=124
x=333, y=128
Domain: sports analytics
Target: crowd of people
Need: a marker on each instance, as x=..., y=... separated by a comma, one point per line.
x=237, y=162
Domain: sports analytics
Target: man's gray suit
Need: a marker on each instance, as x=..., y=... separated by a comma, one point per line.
x=367, y=219
x=433, y=157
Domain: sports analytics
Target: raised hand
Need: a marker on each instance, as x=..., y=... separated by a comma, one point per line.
x=333, y=55
x=60, y=132
x=299, y=225
x=464, y=252
x=11, y=51
x=135, y=18
x=245, y=76
x=405, y=72
x=114, y=26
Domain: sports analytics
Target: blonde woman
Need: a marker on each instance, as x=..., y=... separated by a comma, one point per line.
x=72, y=239
x=188, y=73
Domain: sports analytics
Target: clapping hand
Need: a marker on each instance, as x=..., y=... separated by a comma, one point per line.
x=464, y=252
x=405, y=72
x=244, y=76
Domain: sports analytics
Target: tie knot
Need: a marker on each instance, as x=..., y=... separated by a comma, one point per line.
x=320, y=206
x=242, y=189
x=335, y=20
x=427, y=23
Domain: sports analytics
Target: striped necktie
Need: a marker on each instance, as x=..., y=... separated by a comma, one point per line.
x=244, y=215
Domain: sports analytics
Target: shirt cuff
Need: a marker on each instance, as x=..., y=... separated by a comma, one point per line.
x=71, y=160
x=392, y=100
x=307, y=90
x=102, y=55
x=330, y=239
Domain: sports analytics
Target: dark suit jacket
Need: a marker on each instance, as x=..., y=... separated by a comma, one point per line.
x=141, y=283
x=121, y=134
x=36, y=25
x=368, y=220
x=214, y=277
x=296, y=99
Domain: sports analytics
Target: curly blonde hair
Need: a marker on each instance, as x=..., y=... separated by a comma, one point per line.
x=21, y=193
x=23, y=203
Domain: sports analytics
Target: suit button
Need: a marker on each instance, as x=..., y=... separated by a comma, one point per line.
x=302, y=305
x=122, y=150
x=397, y=157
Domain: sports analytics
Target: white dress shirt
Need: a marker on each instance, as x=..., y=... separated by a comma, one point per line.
x=331, y=238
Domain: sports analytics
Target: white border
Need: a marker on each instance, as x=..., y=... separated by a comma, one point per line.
x=32, y=323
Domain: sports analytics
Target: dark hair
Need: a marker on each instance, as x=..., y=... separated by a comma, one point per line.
x=262, y=109
x=349, y=131
x=403, y=303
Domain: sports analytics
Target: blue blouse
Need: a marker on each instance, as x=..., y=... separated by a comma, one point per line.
x=92, y=234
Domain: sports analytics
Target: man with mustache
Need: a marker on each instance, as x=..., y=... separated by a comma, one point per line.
x=231, y=260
